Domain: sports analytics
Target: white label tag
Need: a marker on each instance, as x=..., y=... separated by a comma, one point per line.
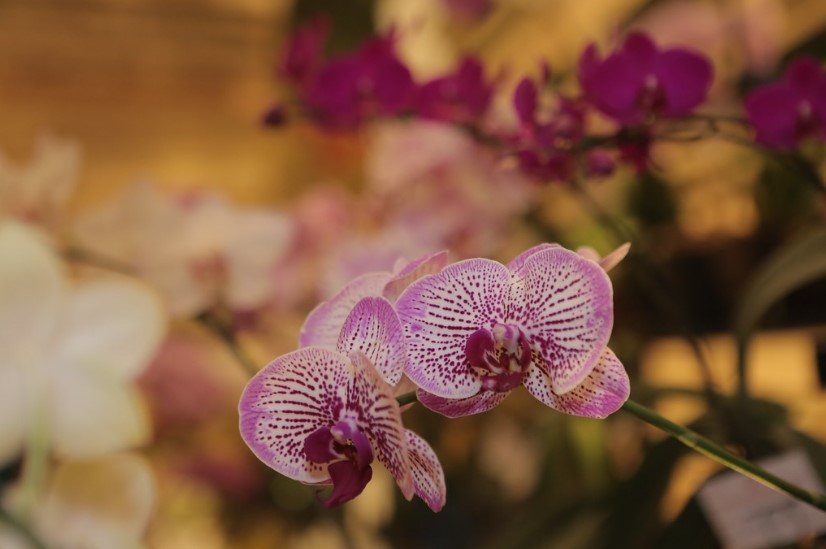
x=747, y=515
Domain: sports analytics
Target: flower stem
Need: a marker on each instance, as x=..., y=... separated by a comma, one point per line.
x=21, y=529
x=407, y=398
x=704, y=446
x=709, y=449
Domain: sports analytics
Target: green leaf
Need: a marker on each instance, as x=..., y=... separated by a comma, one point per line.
x=799, y=263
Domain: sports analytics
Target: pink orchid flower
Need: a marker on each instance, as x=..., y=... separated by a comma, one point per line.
x=478, y=329
x=321, y=415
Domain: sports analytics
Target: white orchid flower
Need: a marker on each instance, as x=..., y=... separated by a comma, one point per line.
x=69, y=353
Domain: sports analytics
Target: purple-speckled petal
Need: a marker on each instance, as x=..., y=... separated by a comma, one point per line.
x=289, y=399
x=439, y=312
x=324, y=323
x=376, y=411
x=349, y=481
x=460, y=407
x=413, y=271
x=568, y=313
x=600, y=394
x=517, y=262
x=428, y=476
x=373, y=328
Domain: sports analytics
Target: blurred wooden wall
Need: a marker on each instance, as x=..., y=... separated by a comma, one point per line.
x=168, y=90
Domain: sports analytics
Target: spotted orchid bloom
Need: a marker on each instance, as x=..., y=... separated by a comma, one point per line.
x=321, y=415
x=478, y=329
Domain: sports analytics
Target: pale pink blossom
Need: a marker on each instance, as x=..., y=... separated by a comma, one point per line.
x=198, y=249
x=435, y=184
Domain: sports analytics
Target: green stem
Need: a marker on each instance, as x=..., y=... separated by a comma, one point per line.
x=407, y=398
x=704, y=446
x=711, y=450
x=212, y=321
x=74, y=253
x=21, y=529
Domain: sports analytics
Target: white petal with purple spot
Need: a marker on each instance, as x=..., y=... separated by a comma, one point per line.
x=324, y=323
x=286, y=401
x=439, y=312
x=517, y=262
x=428, y=475
x=376, y=411
x=599, y=395
x=373, y=328
x=426, y=265
x=460, y=407
x=567, y=314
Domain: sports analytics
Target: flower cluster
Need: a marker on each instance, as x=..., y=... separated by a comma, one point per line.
x=633, y=87
x=345, y=91
x=465, y=333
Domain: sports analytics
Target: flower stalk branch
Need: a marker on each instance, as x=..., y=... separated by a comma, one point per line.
x=704, y=446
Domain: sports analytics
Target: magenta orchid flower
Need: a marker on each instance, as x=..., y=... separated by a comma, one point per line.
x=784, y=113
x=639, y=80
x=478, y=329
x=321, y=415
x=461, y=97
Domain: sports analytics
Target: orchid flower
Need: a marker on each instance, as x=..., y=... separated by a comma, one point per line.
x=70, y=352
x=320, y=415
x=639, y=80
x=478, y=329
x=788, y=111
x=220, y=253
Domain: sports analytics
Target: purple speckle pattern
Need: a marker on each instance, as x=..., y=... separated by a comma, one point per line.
x=323, y=324
x=600, y=394
x=439, y=312
x=289, y=399
x=376, y=411
x=460, y=407
x=567, y=313
x=425, y=265
x=428, y=476
x=373, y=328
